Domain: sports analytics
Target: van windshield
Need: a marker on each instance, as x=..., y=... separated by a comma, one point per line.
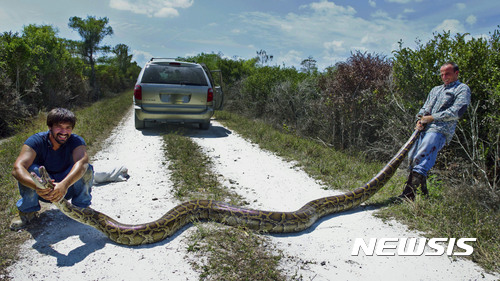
x=178, y=74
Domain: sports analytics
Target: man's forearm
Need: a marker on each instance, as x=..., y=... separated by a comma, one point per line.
x=23, y=176
x=76, y=173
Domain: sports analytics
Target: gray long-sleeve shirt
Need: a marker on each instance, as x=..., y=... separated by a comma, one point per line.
x=446, y=103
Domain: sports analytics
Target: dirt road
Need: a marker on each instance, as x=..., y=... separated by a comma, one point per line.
x=64, y=250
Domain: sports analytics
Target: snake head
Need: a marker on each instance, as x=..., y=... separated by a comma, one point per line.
x=44, y=181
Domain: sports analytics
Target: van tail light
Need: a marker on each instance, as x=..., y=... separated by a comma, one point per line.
x=138, y=92
x=210, y=95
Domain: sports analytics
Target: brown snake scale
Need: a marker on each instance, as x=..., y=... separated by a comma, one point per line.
x=263, y=221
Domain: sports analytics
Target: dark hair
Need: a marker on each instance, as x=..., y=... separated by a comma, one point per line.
x=455, y=66
x=61, y=115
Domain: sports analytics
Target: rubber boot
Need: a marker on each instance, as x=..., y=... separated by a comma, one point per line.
x=420, y=181
x=22, y=219
x=410, y=190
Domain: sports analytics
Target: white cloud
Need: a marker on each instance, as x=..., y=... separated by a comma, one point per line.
x=403, y=1
x=369, y=39
x=287, y=27
x=335, y=45
x=326, y=30
x=399, y=1
x=333, y=51
x=166, y=12
x=454, y=26
x=325, y=6
x=329, y=60
x=141, y=57
x=152, y=8
x=372, y=3
x=380, y=14
x=191, y=54
x=291, y=58
x=471, y=20
x=319, y=21
x=359, y=48
x=461, y=6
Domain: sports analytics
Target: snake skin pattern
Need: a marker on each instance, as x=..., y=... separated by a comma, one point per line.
x=262, y=221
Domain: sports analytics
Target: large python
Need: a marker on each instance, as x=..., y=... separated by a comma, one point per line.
x=264, y=221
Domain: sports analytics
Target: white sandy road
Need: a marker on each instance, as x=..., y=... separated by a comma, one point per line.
x=66, y=250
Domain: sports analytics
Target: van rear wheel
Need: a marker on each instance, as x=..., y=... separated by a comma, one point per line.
x=205, y=126
x=139, y=124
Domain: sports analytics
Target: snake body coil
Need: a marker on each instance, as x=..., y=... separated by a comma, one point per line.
x=265, y=221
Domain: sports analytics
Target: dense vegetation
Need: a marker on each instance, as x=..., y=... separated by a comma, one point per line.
x=39, y=70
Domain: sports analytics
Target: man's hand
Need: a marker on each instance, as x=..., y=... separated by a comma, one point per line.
x=53, y=195
x=44, y=193
x=424, y=120
x=59, y=191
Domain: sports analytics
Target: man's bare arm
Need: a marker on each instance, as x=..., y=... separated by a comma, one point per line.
x=23, y=162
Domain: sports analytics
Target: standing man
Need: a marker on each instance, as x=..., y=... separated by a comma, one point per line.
x=437, y=120
x=64, y=155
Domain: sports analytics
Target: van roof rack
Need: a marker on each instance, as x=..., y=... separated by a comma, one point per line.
x=163, y=59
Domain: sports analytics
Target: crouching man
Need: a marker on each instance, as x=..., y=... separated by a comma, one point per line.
x=64, y=155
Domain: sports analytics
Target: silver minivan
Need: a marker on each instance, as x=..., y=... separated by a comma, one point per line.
x=172, y=91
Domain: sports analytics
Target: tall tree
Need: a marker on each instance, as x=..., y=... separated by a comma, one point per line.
x=92, y=31
x=15, y=52
x=122, y=57
x=309, y=66
x=264, y=57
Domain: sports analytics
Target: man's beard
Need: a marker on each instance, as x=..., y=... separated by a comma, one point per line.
x=60, y=141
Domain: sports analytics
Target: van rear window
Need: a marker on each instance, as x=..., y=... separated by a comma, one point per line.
x=169, y=74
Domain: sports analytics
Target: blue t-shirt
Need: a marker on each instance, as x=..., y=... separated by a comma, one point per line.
x=55, y=161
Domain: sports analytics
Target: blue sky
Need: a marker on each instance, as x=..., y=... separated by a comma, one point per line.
x=291, y=30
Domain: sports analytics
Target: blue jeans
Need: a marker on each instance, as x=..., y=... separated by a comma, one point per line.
x=79, y=192
x=423, y=154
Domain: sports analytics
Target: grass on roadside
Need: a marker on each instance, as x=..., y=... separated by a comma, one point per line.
x=191, y=174
x=225, y=253
x=453, y=213
x=94, y=125
x=447, y=212
x=234, y=254
x=336, y=169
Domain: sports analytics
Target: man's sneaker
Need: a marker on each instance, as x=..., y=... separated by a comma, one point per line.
x=22, y=219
